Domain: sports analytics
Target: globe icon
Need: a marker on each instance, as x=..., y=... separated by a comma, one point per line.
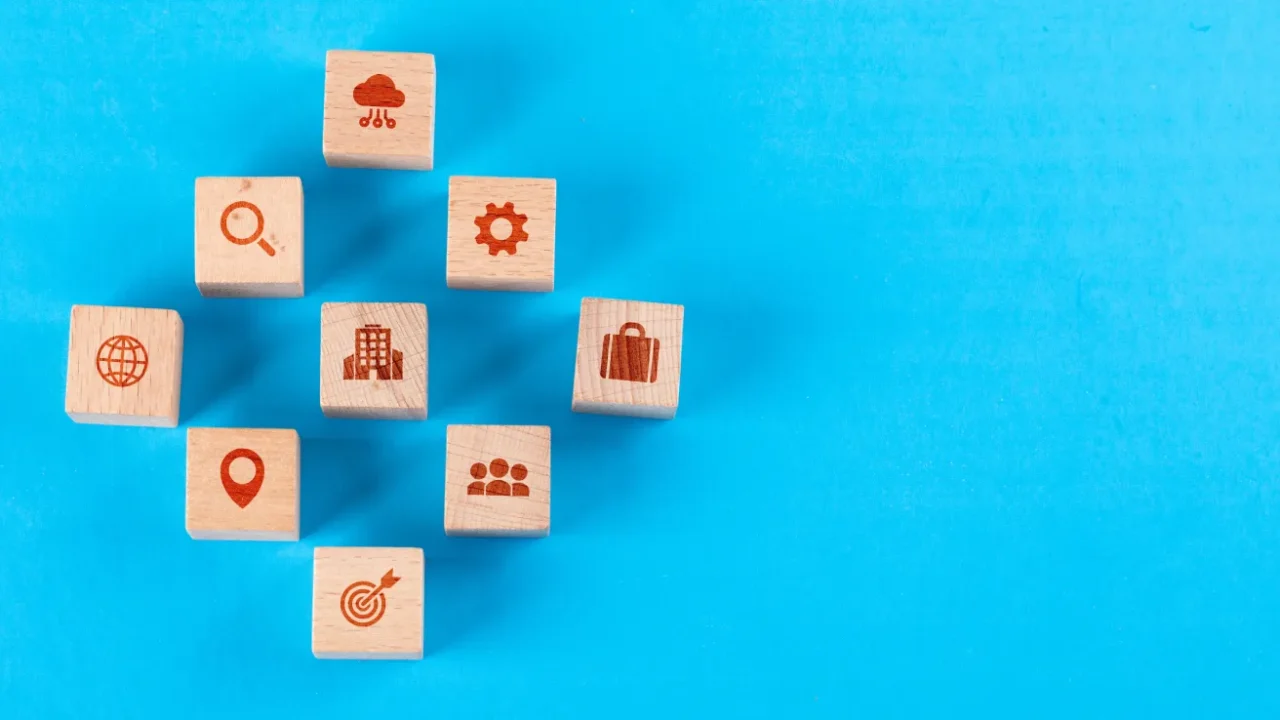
x=122, y=361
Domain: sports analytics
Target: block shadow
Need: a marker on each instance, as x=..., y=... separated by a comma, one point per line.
x=503, y=338
x=220, y=342
x=337, y=475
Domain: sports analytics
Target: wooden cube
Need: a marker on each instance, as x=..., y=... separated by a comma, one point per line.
x=242, y=484
x=249, y=236
x=497, y=480
x=367, y=603
x=373, y=360
x=379, y=109
x=502, y=234
x=124, y=366
x=628, y=358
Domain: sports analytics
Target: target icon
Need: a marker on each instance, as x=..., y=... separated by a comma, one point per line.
x=363, y=603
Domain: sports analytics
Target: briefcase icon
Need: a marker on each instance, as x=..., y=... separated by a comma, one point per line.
x=629, y=357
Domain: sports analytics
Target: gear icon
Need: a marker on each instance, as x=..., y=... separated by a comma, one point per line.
x=508, y=213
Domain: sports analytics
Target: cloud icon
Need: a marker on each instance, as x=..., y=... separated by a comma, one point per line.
x=378, y=91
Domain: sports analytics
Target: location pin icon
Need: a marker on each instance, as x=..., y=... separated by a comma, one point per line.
x=243, y=493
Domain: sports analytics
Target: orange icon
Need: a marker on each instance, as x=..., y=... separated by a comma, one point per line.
x=485, y=223
x=243, y=493
x=364, y=603
x=373, y=356
x=497, y=486
x=122, y=361
x=256, y=236
x=629, y=357
x=376, y=93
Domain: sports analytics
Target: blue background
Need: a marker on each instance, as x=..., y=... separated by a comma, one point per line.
x=979, y=391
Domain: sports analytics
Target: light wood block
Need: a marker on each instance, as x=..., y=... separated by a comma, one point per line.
x=373, y=360
x=249, y=236
x=124, y=366
x=379, y=109
x=367, y=603
x=242, y=484
x=502, y=234
x=628, y=358
x=497, y=480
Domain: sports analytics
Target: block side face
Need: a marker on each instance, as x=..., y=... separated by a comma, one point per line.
x=336, y=159
x=157, y=421
x=373, y=360
x=501, y=233
x=248, y=535
x=258, y=290
x=498, y=480
x=530, y=533
x=179, y=341
x=243, y=483
x=124, y=365
x=654, y=412
x=628, y=355
x=367, y=602
x=249, y=236
x=379, y=109
x=464, y=282
x=389, y=413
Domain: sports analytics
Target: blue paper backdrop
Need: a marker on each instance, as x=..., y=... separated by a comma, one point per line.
x=978, y=407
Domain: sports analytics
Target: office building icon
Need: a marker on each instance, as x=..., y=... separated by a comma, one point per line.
x=373, y=356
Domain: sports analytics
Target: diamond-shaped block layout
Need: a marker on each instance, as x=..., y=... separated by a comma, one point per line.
x=249, y=236
x=379, y=109
x=242, y=484
x=124, y=366
x=502, y=234
x=497, y=480
x=373, y=360
x=628, y=358
x=367, y=603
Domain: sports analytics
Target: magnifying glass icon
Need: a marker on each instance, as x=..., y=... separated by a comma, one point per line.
x=257, y=233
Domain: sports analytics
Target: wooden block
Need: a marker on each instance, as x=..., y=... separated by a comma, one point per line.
x=242, y=484
x=249, y=236
x=379, y=109
x=124, y=366
x=367, y=603
x=628, y=358
x=502, y=234
x=497, y=480
x=373, y=360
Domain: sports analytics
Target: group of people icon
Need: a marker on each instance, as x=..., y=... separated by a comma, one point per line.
x=499, y=468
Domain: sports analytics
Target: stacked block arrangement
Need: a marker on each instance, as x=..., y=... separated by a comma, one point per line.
x=124, y=365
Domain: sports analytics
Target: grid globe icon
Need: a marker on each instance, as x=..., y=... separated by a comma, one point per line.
x=122, y=361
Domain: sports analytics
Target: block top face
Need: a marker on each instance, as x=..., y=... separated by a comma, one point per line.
x=124, y=365
x=367, y=603
x=373, y=359
x=242, y=484
x=379, y=109
x=629, y=355
x=498, y=480
x=502, y=233
x=249, y=236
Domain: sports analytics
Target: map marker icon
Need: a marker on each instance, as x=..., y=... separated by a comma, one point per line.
x=243, y=493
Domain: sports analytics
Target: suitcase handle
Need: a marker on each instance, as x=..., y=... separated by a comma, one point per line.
x=631, y=326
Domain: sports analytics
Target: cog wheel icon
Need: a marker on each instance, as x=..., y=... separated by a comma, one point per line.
x=508, y=213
